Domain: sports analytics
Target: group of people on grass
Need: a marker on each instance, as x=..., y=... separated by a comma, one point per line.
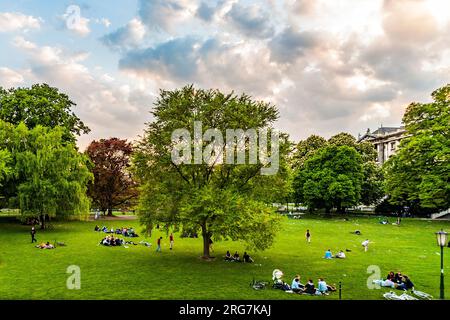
x=126, y=232
x=309, y=288
x=339, y=255
x=110, y=240
x=46, y=245
x=396, y=281
x=236, y=258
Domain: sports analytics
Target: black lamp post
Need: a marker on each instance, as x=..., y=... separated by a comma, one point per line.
x=441, y=237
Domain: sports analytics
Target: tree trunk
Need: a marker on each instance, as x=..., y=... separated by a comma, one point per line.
x=110, y=212
x=206, y=237
x=42, y=218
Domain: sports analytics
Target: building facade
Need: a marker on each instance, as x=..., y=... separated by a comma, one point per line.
x=385, y=140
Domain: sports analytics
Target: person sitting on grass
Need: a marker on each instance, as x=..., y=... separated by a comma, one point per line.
x=406, y=284
x=391, y=276
x=105, y=229
x=228, y=256
x=328, y=254
x=309, y=287
x=340, y=255
x=296, y=286
x=247, y=258
x=236, y=257
x=322, y=287
x=97, y=228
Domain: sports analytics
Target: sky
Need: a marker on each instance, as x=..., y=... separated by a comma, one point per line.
x=329, y=66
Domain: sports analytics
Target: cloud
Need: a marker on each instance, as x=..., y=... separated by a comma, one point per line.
x=128, y=36
x=252, y=21
x=15, y=21
x=10, y=78
x=205, y=12
x=109, y=108
x=290, y=44
x=163, y=15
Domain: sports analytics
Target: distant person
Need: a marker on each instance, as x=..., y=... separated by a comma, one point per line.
x=365, y=245
x=33, y=234
x=171, y=241
x=391, y=276
x=296, y=286
x=340, y=255
x=247, y=258
x=308, y=236
x=158, y=242
x=406, y=284
x=97, y=228
x=328, y=254
x=228, y=256
x=384, y=283
x=236, y=257
x=322, y=287
x=309, y=287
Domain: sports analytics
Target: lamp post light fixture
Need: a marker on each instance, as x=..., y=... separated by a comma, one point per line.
x=441, y=238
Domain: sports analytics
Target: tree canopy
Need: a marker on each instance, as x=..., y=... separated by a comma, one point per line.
x=219, y=199
x=113, y=184
x=53, y=175
x=40, y=105
x=324, y=180
x=418, y=175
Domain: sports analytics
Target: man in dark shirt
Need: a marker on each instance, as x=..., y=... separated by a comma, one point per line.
x=33, y=234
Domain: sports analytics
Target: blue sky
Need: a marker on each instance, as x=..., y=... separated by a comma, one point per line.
x=329, y=66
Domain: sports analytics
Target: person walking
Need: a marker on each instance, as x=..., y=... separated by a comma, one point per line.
x=365, y=244
x=171, y=241
x=158, y=248
x=308, y=236
x=33, y=234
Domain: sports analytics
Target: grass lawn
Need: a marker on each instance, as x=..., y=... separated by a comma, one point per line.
x=140, y=273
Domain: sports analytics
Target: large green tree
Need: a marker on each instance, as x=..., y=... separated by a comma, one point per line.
x=53, y=174
x=371, y=184
x=331, y=178
x=41, y=105
x=418, y=175
x=219, y=199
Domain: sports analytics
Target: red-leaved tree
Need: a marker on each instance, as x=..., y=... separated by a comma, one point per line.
x=113, y=185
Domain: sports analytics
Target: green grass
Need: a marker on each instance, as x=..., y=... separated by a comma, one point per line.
x=140, y=273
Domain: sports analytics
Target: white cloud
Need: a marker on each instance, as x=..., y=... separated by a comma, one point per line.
x=15, y=21
x=10, y=78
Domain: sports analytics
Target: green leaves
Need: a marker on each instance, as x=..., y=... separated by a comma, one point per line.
x=337, y=173
x=419, y=174
x=52, y=174
x=40, y=105
x=225, y=201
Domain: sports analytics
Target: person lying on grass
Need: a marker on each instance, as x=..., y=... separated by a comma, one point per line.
x=340, y=255
x=45, y=246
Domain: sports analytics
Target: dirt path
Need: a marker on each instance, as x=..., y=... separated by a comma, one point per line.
x=113, y=218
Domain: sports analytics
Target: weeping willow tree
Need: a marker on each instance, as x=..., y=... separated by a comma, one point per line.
x=53, y=175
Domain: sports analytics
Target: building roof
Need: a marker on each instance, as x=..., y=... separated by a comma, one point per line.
x=381, y=131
